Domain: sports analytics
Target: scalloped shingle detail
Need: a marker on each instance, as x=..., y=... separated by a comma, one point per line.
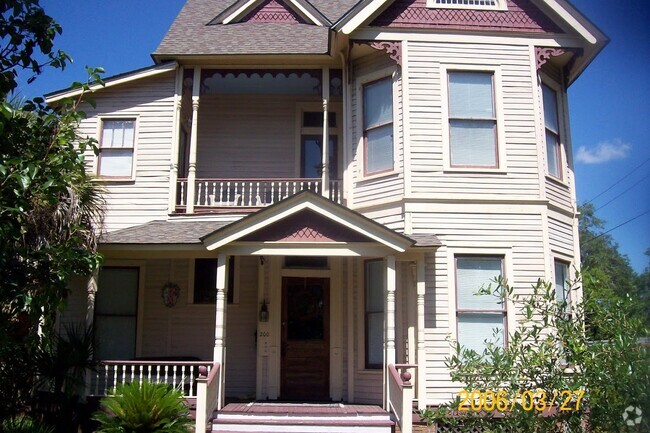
x=273, y=11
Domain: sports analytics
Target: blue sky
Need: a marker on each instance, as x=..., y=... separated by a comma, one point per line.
x=608, y=104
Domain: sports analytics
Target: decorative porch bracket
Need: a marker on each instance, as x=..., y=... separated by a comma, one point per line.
x=392, y=48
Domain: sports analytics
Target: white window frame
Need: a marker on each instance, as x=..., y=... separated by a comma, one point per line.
x=236, y=282
x=388, y=73
x=312, y=107
x=507, y=273
x=569, y=294
x=499, y=5
x=364, y=342
x=100, y=134
x=497, y=81
x=562, y=152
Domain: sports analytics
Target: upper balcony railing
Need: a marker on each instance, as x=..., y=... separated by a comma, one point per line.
x=250, y=193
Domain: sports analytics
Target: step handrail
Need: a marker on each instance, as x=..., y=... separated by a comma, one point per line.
x=208, y=395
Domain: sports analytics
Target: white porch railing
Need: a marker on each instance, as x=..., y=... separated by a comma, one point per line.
x=218, y=193
x=180, y=374
x=400, y=395
x=208, y=397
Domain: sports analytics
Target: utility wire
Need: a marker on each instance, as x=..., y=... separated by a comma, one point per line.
x=614, y=228
x=619, y=195
x=620, y=180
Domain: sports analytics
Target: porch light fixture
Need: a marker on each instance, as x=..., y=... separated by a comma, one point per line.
x=264, y=312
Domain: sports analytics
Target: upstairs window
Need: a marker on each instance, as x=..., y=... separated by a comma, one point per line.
x=472, y=120
x=468, y=4
x=378, y=126
x=116, y=148
x=552, y=128
x=479, y=318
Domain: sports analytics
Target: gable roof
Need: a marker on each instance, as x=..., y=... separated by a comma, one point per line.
x=243, y=8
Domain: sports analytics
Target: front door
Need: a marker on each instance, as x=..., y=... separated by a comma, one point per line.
x=305, y=339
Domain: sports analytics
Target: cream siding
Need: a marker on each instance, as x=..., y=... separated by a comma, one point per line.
x=151, y=102
x=560, y=233
x=518, y=177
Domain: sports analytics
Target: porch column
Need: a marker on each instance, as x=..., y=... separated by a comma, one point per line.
x=176, y=136
x=220, y=324
x=325, y=175
x=191, y=173
x=91, y=293
x=421, y=348
x=390, y=355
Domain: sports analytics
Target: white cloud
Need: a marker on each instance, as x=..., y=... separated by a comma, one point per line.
x=604, y=152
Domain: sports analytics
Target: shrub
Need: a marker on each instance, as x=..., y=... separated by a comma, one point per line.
x=23, y=424
x=142, y=408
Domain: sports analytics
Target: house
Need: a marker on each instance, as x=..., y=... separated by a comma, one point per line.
x=302, y=197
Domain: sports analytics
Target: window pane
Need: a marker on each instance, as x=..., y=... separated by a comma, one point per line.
x=472, y=273
x=119, y=291
x=114, y=337
x=470, y=95
x=128, y=134
x=550, y=108
x=107, y=135
x=476, y=328
x=552, y=154
x=116, y=162
x=205, y=281
x=375, y=286
x=561, y=277
x=378, y=103
x=379, y=149
x=375, y=339
x=473, y=143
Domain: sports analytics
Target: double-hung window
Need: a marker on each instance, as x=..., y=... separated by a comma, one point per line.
x=374, y=313
x=562, y=289
x=378, y=126
x=552, y=129
x=116, y=148
x=472, y=119
x=479, y=318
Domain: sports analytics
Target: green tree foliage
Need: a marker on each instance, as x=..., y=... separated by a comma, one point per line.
x=50, y=208
x=144, y=408
x=552, y=376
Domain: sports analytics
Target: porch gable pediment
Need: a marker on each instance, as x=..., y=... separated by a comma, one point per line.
x=307, y=218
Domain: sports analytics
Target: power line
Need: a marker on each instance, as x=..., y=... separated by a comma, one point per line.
x=620, y=180
x=614, y=228
x=619, y=195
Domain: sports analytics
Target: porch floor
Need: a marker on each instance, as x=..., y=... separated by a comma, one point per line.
x=314, y=409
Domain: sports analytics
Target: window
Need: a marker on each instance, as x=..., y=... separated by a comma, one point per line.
x=468, y=4
x=116, y=307
x=374, y=312
x=472, y=119
x=205, y=281
x=479, y=318
x=378, y=126
x=552, y=129
x=562, y=289
x=116, y=148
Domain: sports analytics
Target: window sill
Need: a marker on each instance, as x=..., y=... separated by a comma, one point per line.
x=380, y=175
x=115, y=180
x=557, y=181
x=475, y=170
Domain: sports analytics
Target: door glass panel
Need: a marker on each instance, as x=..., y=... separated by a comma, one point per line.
x=312, y=156
x=305, y=312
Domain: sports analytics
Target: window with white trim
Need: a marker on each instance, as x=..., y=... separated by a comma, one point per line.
x=552, y=132
x=378, y=126
x=562, y=288
x=116, y=148
x=472, y=120
x=374, y=313
x=479, y=318
x=468, y=4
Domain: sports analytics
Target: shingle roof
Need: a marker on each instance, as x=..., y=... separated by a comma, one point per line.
x=182, y=232
x=163, y=233
x=190, y=35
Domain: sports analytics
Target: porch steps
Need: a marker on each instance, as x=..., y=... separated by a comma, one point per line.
x=301, y=418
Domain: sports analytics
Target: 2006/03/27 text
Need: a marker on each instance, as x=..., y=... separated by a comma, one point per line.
x=502, y=401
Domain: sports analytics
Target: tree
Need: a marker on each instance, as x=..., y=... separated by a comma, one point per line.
x=551, y=377
x=50, y=208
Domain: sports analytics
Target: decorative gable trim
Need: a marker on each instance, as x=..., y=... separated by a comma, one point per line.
x=499, y=5
x=242, y=10
x=273, y=11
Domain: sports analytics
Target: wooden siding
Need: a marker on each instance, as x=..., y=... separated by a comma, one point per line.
x=427, y=113
x=390, y=186
x=560, y=234
x=151, y=101
x=244, y=136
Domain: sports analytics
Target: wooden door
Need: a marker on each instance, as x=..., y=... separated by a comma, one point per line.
x=305, y=339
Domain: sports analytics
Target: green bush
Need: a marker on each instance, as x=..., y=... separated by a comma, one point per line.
x=23, y=424
x=142, y=408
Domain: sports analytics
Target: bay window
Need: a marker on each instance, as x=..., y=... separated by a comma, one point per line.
x=552, y=132
x=378, y=126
